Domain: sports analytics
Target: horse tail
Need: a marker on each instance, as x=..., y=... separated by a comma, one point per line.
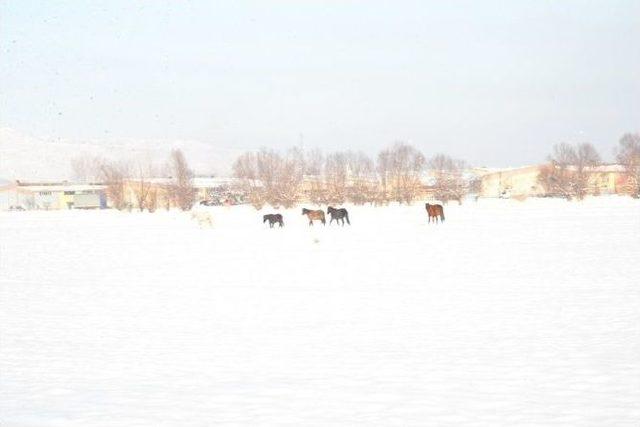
x=346, y=216
x=441, y=214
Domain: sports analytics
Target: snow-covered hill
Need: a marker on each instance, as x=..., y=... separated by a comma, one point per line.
x=30, y=157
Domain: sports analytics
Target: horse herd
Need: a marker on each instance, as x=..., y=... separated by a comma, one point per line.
x=340, y=215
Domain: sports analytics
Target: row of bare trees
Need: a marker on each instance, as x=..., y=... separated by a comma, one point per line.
x=568, y=171
x=570, y=168
x=399, y=173
x=628, y=155
x=283, y=179
x=142, y=183
x=270, y=177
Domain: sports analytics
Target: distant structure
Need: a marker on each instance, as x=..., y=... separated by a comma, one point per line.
x=17, y=195
x=51, y=195
x=211, y=191
x=516, y=183
x=523, y=181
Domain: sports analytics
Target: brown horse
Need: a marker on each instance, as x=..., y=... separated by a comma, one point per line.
x=434, y=212
x=314, y=215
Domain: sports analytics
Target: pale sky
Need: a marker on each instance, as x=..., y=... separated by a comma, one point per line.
x=494, y=82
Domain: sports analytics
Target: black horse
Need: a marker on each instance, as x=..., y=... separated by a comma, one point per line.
x=273, y=218
x=338, y=215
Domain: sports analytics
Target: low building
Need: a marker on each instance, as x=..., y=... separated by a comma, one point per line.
x=523, y=181
x=608, y=179
x=62, y=195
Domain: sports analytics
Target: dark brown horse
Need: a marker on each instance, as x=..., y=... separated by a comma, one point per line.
x=273, y=219
x=314, y=215
x=338, y=215
x=434, y=212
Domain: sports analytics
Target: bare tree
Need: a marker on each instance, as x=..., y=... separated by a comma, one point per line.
x=362, y=178
x=86, y=168
x=152, y=199
x=245, y=168
x=141, y=184
x=569, y=170
x=449, y=178
x=403, y=166
x=335, y=177
x=268, y=162
x=587, y=158
x=181, y=189
x=556, y=177
x=313, y=162
x=313, y=176
x=114, y=174
x=269, y=177
x=628, y=155
x=289, y=178
x=383, y=169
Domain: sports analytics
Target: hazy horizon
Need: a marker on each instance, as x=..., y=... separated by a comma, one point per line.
x=494, y=84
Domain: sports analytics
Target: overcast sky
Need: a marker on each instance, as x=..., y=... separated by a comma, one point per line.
x=494, y=82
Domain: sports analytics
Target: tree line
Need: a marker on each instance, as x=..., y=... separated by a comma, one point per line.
x=570, y=166
x=396, y=175
x=140, y=183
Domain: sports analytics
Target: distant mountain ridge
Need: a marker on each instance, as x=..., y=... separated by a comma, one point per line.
x=28, y=157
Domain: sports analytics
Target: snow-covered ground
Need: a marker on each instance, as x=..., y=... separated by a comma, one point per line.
x=509, y=314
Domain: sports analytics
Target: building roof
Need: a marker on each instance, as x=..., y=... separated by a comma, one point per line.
x=58, y=187
x=491, y=171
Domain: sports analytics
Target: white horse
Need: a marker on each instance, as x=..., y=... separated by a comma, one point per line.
x=202, y=218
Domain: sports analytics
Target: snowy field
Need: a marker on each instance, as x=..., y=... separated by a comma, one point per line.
x=509, y=314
